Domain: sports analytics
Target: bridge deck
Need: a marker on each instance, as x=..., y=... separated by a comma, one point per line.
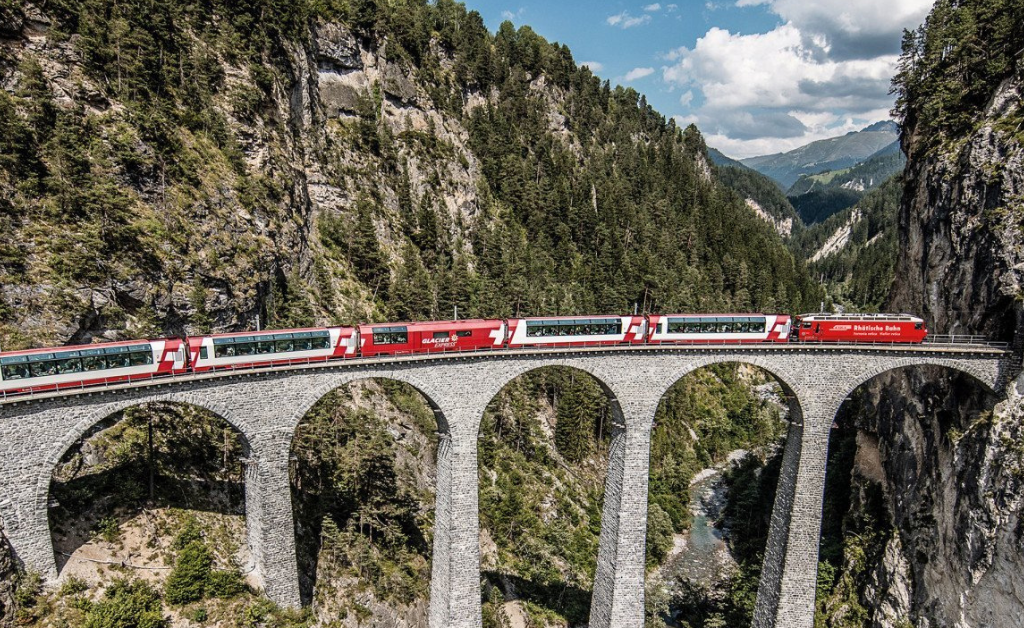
x=973, y=349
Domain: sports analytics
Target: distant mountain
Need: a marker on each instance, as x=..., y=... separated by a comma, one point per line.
x=719, y=159
x=830, y=154
x=867, y=175
x=761, y=194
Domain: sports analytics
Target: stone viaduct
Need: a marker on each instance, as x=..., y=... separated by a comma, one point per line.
x=266, y=405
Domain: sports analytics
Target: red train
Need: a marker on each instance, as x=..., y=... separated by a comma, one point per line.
x=86, y=365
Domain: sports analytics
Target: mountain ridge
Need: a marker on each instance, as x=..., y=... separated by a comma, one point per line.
x=827, y=154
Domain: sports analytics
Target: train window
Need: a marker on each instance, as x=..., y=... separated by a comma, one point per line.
x=440, y=334
x=93, y=363
x=303, y=344
x=16, y=371
x=464, y=333
x=245, y=348
x=203, y=353
x=43, y=369
x=265, y=347
x=284, y=345
x=70, y=365
x=119, y=360
x=918, y=325
x=139, y=358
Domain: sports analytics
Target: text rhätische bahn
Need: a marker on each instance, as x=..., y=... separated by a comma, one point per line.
x=44, y=369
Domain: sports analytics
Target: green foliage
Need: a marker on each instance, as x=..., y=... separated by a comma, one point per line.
x=749, y=183
x=224, y=583
x=362, y=503
x=860, y=274
x=193, y=578
x=660, y=532
x=872, y=172
x=126, y=604
x=816, y=206
x=191, y=532
x=73, y=586
x=109, y=529
x=578, y=408
x=541, y=507
x=951, y=66
x=189, y=579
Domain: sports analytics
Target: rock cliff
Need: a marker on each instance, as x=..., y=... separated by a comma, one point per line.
x=7, y=574
x=950, y=451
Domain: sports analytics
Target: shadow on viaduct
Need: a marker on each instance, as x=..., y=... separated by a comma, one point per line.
x=267, y=405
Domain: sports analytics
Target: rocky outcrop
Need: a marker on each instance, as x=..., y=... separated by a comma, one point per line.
x=7, y=573
x=951, y=453
x=954, y=485
x=961, y=256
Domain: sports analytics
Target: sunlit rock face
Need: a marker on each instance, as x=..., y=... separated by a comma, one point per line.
x=951, y=453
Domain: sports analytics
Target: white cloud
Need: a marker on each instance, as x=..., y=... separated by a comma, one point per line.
x=824, y=71
x=771, y=92
x=651, y=8
x=671, y=7
x=775, y=69
x=625, y=20
x=844, y=29
x=595, y=66
x=637, y=73
x=831, y=126
x=510, y=15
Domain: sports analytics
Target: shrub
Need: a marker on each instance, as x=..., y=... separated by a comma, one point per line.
x=190, y=533
x=73, y=586
x=109, y=529
x=191, y=574
x=126, y=604
x=225, y=583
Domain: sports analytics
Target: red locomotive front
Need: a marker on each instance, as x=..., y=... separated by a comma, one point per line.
x=861, y=328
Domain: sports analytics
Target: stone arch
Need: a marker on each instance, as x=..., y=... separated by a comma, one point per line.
x=523, y=368
x=319, y=387
x=572, y=598
x=984, y=372
x=322, y=385
x=97, y=414
x=762, y=362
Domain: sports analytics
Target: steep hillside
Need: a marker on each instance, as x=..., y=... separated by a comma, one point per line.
x=204, y=165
x=829, y=154
x=853, y=252
x=719, y=159
x=762, y=196
x=943, y=547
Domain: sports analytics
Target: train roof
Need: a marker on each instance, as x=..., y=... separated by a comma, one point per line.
x=707, y=314
x=862, y=317
x=268, y=332
x=572, y=318
x=89, y=347
x=462, y=323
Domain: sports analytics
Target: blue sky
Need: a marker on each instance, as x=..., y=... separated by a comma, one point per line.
x=756, y=76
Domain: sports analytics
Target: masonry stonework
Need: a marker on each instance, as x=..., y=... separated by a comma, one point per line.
x=265, y=406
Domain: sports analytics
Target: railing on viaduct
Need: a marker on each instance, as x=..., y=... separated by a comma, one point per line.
x=266, y=404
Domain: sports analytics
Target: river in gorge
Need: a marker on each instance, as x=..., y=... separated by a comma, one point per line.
x=700, y=556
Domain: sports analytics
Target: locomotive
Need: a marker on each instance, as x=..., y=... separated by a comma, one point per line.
x=87, y=365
